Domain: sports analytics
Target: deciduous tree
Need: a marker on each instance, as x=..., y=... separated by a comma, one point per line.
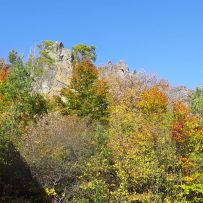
x=86, y=94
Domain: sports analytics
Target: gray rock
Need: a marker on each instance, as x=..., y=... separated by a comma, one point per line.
x=180, y=93
x=57, y=75
x=118, y=70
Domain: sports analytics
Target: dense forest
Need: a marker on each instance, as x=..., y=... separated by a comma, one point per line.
x=103, y=137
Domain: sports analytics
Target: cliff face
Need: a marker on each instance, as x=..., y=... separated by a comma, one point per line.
x=180, y=93
x=57, y=75
x=119, y=70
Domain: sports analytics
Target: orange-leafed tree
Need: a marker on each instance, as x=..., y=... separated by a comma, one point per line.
x=3, y=74
x=152, y=100
x=3, y=70
x=185, y=128
x=187, y=133
x=87, y=94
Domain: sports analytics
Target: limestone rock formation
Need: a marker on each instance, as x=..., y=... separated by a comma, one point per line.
x=180, y=93
x=119, y=70
x=57, y=75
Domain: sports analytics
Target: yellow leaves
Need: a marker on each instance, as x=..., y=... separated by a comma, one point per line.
x=51, y=192
x=188, y=179
x=152, y=101
x=100, y=87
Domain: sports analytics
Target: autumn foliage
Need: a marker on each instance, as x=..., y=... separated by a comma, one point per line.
x=152, y=101
x=102, y=139
x=3, y=70
x=86, y=94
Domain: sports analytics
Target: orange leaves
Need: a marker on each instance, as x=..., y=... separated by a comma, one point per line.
x=180, y=110
x=3, y=74
x=84, y=74
x=87, y=94
x=152, y=101
x=188, y=135
x=185, y=162
x=184, y=124
x=100, y=87
x=181, y=113
x=3, y=70
x=178, y=133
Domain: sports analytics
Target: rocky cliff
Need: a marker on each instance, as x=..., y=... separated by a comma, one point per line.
x=120, y=70
x=57, y=75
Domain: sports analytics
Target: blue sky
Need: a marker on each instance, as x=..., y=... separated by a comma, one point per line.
x=164, y=37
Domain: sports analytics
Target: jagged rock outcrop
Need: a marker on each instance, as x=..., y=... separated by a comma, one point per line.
x=180, y=93
x=120, y=70
x=56, y=76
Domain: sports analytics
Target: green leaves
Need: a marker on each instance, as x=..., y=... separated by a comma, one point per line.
x=16, y=93
x=87, y=95
x=82, y=51
x=193, y=193
x=14, y=58
x=149, y=150
x=197, y=103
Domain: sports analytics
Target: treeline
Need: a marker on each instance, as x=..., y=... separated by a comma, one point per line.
x=104, y=139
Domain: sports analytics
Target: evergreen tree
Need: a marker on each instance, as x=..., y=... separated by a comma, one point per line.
x=82, y=51
x=14, y=58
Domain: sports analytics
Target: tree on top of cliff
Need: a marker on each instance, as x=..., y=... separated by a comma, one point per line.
x=82, y=51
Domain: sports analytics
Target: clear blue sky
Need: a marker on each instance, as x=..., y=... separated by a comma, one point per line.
x=164, y=37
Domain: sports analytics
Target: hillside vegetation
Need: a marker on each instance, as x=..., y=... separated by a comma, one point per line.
x=104, y=137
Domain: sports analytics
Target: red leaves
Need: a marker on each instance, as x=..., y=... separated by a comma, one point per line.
x=181, y=116
x=184, y=123
x=178, y=132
